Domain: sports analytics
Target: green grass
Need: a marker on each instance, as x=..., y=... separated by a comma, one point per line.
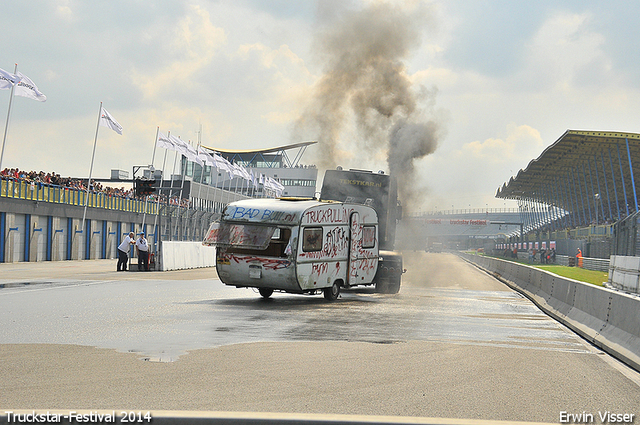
x=593, y=277
x=588, y=276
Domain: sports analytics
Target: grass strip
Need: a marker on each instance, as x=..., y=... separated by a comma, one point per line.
x=593, y=277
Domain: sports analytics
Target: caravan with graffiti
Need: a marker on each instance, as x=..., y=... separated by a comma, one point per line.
x=296, y=246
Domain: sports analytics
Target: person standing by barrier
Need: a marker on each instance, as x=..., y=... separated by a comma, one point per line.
x=579, y=258
x=123, y=252
x=143, y=252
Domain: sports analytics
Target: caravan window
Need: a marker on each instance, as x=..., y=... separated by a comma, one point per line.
x=251, y=239
x=248, y=236
x=368, y=236
x=312, y=239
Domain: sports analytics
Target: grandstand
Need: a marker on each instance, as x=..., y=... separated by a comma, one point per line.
x=578, y=192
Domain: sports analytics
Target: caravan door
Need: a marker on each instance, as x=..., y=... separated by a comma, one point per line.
x=363, y=251
x=355, y=241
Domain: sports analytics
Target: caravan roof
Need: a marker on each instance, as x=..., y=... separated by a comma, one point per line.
x=275, y=211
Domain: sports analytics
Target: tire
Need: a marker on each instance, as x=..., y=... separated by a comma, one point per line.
x=265, y=292
x=388, y=286
x=333, y=292
x=381, y=287
x=394, y=287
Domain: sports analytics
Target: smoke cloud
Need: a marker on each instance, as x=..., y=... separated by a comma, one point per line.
x=366, y=96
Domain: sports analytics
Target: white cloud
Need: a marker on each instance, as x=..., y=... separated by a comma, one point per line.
x=243, y=68
x=194, y=43
x=565, y=47
x=63, y=10
x=518, y=142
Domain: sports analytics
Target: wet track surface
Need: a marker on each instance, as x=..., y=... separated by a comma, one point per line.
x=161, y=320
x=454, y=343
x=452, y=315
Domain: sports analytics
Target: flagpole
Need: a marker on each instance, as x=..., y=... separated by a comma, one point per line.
x=202, y=172
x=175, y=159
x=180, y=193
x=6, y=125
x=201, y=166
x=164, y=162
x=231, y=176
x=160, y=190
x=183, y=174
x=216, y=189
x=95, y=142
x=146, y=196
x=181, y=185
x=155, y=144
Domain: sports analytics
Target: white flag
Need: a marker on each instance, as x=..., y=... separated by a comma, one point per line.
x=221, y=163
x=180, y=145
x=26, y=88
x=164, y=142
x=194, y=156
x=106, y=120
x=240, y=171
x=7, y=80
x=205, y=157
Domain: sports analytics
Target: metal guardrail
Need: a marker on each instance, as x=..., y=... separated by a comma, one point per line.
x=588, y=263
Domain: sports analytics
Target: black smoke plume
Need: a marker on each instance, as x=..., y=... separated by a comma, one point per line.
x=365, y=86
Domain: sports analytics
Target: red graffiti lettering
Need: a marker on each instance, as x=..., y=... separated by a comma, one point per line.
x=319, y=268
x=267, y=263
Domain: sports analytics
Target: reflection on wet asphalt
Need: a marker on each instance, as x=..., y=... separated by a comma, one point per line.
x=447, y=301
x=428, y=314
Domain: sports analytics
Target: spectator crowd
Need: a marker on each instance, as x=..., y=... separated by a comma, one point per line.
x=55, y=179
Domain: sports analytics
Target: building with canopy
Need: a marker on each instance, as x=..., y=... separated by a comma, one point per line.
x=582, y=184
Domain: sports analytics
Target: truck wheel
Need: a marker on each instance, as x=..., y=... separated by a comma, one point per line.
x=393, y=288
x=332, y=293
x=265, y=292
x=381, y=286
x=393, y=285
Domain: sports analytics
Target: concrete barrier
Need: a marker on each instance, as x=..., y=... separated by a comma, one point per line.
x=186, y=255
x=562, y=296
x=624, y=273
x=607, y=318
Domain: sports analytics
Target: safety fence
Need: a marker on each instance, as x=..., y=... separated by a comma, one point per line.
x=36, y=191
x=627, y=241
x=587, y=263
x=32, y=229
x=181, y=224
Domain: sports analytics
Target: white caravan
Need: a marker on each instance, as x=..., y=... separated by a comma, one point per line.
x=297, y=246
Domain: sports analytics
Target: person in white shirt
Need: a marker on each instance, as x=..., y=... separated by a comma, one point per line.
x=123, y=252
x=143, y=252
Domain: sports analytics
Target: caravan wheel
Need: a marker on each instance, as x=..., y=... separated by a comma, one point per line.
x=265, y=292
x=332, y=293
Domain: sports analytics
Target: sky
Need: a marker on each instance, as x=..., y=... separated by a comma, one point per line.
x=486, y=85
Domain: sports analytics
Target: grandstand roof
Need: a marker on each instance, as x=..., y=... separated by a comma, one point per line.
x=578, y=158
x=269, y=157
x=262, y=151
